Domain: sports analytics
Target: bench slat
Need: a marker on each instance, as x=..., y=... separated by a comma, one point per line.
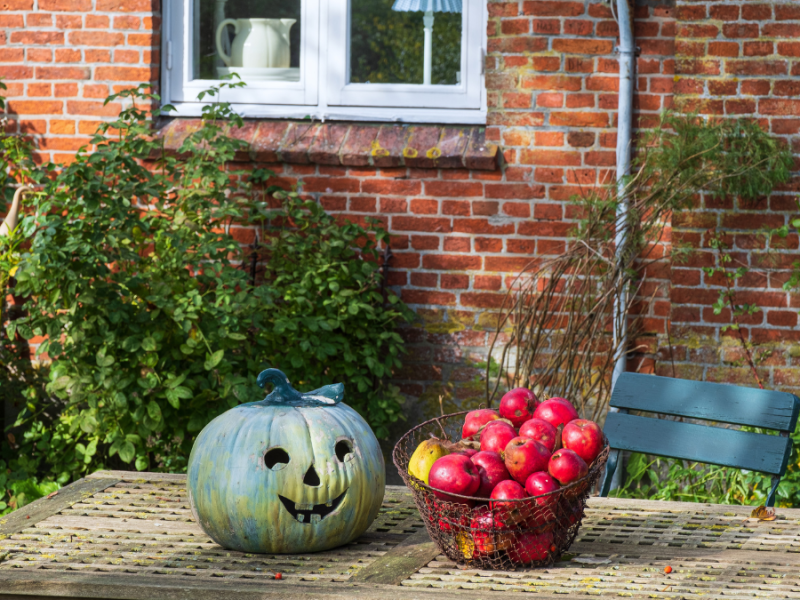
x=707, y=401
x=698, y=443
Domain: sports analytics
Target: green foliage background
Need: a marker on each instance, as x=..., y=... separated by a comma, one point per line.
x=387, y=46
x=155, y=321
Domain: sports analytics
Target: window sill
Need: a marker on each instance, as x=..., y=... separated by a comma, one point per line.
x=355, y=145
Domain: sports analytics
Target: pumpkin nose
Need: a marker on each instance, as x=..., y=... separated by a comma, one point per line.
x=311, y=478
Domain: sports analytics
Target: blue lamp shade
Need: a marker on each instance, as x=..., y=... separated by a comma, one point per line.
x=451, y=6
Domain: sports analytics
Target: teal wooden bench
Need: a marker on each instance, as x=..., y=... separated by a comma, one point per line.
x=701, y=443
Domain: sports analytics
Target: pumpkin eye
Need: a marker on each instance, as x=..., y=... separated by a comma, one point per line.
x=343, y=449
x=276, y=459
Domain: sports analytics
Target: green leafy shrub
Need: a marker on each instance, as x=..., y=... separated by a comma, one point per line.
x=19, y=488
x=151, y=317
x=330, y=322
x=132, y=284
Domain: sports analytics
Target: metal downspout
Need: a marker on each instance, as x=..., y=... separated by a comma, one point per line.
x=627, y=58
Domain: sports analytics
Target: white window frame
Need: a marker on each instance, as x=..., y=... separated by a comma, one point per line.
x=322, y=92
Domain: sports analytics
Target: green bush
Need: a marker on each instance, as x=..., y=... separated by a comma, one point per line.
x=330, y=319
x=153, y=320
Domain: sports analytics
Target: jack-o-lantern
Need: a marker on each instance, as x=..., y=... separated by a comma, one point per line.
x=291, y=473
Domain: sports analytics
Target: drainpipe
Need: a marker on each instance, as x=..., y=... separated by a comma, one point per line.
x=627, y=58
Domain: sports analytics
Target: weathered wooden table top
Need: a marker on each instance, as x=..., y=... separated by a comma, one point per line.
x=120, y=535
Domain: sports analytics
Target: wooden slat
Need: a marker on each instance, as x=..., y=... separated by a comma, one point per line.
x=705, y=508
x=714, y=445
x=137, y=476
x=706, y=401
x=27, y=586
x=742, y=557
x=44, y=507
x=400, y=562
x=640, y=579
x=130, y=524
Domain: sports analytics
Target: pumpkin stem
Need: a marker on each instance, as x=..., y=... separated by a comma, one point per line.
x=280, y=381
x=284, y=393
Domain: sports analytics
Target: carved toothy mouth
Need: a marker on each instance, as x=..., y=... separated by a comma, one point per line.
x=311, y=513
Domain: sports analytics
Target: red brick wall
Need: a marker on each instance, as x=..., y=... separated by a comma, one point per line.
x=739, y=59
x=61, y=58
x=551, y=78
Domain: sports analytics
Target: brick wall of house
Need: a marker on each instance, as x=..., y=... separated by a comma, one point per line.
x=738, y=59
x=61, y=58
x=459, y=232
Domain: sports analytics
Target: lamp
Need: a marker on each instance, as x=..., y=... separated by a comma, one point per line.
x=428, y=7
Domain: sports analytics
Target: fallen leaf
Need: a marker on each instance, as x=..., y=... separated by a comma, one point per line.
x=762, y=513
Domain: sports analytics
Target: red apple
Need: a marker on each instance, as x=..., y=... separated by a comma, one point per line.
x=528, y=547
x=476, y=419
x=583, y=437
x=541, y=431
x=518, y=405
x=560, y=399
x=492, y=470
x=541, y=516
x=468, y=452
x=507, y=490
x=514, y=513
x=453, y=522
x=540, y=483
x=566, y=466
x=495, y=436
x=454, y=473
x=490, y=533
x=556, y=411
x=525, y=456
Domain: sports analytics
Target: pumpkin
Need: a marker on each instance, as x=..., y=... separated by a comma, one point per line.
x=291, y=473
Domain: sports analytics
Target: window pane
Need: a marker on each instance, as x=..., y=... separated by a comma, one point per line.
x=387, y=41
x=259, y=40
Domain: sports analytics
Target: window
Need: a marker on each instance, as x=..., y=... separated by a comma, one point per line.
x=394, y=60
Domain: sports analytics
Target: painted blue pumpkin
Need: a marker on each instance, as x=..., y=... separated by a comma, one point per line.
x=291, y=473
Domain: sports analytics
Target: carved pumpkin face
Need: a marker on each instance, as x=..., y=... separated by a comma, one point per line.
x=285, y=479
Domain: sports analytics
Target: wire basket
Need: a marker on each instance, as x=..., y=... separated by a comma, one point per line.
x=496, y=535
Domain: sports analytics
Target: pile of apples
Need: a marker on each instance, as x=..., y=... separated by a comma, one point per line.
x=518, y=458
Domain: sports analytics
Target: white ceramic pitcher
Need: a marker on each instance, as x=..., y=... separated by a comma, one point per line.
x=259, y=43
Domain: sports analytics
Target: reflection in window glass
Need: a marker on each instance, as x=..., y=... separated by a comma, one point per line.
x=260, y=39
x=387, y=46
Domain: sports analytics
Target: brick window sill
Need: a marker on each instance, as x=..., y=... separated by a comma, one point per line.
x=355, y=145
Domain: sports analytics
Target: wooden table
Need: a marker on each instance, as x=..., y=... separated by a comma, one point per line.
x=120, y=535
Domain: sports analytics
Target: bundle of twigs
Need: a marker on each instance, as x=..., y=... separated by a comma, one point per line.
x=555, y=331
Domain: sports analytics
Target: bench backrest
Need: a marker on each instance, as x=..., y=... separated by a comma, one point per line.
x=709, y=402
